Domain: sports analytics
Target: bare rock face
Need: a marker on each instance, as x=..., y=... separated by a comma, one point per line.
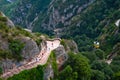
x=30, y=50
x=61, y=55
x=4, y=45
x=48, y=72
x=72, y=46
x=8, y=64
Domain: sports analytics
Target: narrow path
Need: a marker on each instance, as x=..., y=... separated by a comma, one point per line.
x=41, y=59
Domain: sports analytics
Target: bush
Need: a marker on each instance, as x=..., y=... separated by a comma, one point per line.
x=100, y=54
x=103, y=67
x=4, y=19
x=37, y=34
x=54, y=63
x=68, y=74
x=18, y=27
x=16, y=47
x=4, y=27
x=80, y=65
x=5, y=54
x=25, y=33
x=0, y=70
x=1, y=79
x=90, y=55
x=97, y=75
x=116, y=76
x=4, y=35
x=32, y=74
x=38, y=41
x=63, y=43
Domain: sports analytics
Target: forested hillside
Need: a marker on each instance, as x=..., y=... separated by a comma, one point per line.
x=84, y=21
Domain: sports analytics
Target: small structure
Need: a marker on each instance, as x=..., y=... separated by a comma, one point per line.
x=96, y=44
x=108, y=61
x=117, y=23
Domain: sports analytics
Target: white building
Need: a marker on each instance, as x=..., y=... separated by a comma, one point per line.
x=117, y=23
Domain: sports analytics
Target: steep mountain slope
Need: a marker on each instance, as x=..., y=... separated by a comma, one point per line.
x=3, y=2
x=8, y=6
x=46, y=15
x=92, y=21
x=59, y=15
x=85, y=21
x=82, y=20
x=16, y=44
x=27, y=12
x=23, y=50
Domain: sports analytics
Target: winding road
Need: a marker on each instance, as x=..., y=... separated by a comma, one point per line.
x=40, y=59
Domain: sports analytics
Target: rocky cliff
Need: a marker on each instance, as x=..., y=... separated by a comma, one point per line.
x=16, y=45
x=19, y=46
x=59, y=58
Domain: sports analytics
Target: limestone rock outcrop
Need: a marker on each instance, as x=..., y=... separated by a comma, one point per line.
x=31, y=49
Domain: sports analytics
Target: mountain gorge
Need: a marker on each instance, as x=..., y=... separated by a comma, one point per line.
x=52, y=15
x=79, y=20
x=86, y=23
x=19, y=47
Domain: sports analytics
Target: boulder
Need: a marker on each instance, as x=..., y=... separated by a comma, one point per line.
x=61, y=55
x=30, y=49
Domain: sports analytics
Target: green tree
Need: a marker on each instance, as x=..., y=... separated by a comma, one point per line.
x=90, y=55
x=100, y=54
x=0, y=70
x=115, y=64
x=68, y=74
x=4, y=19
x=103, y=67
x=97, y=75
x=62, y=42
x=54, y=63
x=4, y=54
x=1, y=79
x=80, y=65
x=32, y=74
x=116, y=76
x=16, y=47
